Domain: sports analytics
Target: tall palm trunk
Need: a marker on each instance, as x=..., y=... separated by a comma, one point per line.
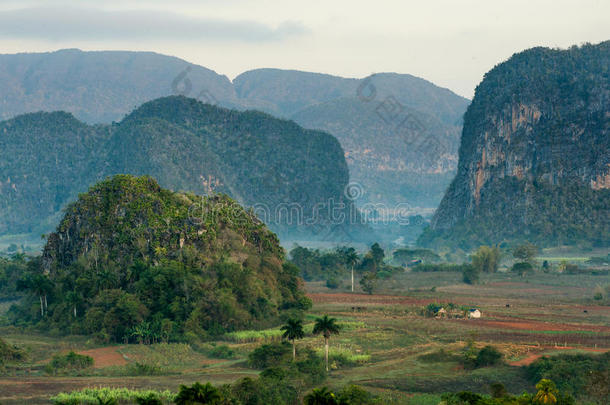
x=294, y=350
x=352, y=278
x=326, y=352
x=75, y=311
x=41, y=307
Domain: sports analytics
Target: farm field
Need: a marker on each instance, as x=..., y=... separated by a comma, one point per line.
x=383, y=338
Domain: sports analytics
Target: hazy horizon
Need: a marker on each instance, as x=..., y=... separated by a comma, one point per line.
x=450, y=44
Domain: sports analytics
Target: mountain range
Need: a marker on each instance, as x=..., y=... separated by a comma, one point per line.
x=274, y=166
x=400, y=133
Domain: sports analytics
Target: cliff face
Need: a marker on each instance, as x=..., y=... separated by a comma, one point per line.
x=534, y=159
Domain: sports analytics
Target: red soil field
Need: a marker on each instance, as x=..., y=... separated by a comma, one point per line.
x=105, y=357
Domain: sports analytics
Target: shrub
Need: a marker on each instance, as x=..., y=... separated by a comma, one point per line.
x=198, y=394
x=498, y=390
x=470, y=274
x=150, y=398
x=333, y=283
x=138, y=368
x=70, y=362
x=522, y=268
x=598, y=293
x=488, y=356
x=10, y=353
x=320, y=396
x=312, y=367
x=439, y=356
x=270, y=355
x=355, y=395
x=221, y=352
x=462, y=398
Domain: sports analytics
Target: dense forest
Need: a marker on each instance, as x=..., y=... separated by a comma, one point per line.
x=129, y=261
x=46, y=159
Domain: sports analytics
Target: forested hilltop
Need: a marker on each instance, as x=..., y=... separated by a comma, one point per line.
x=535, y=154
x=129, y=254
x=271, y=164
x=400, y=133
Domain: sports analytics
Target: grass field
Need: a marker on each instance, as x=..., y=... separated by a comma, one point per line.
x=383, y=338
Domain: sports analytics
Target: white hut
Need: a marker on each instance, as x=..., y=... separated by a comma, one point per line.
x=474, y=313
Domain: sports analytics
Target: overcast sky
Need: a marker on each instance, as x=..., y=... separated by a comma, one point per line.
x=449, y=42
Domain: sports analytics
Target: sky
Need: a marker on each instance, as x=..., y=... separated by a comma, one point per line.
x=451, y=43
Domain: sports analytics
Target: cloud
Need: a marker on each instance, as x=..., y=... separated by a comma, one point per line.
x=72, y=23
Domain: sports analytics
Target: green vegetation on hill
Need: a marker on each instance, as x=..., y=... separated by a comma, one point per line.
x=534, y=155
x=102, y=87
x=128, y=262
x=277, y=167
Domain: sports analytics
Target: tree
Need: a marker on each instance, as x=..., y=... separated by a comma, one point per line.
x=377, y=253
x=40, y=285
x=73, y=299
x=355, y=395
x=546, y=267
x=486, y=259
x=598, y=388
x=526, y=252
x=320, y=396
x=368, y=282
x=373, y=260
x=351, y=259
x=498, y=390
x=198, y=394
x=327, y=327
x=488, y=356
x=470, y=274
x=293, y=330
x=522, y=268
x=547, y=392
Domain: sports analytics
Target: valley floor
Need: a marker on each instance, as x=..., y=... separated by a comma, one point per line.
x=383, y=336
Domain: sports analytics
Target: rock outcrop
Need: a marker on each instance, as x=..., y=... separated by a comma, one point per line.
x=534, y=159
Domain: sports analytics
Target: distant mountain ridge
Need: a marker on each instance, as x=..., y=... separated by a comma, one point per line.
x=272, y=165
x=101, y=87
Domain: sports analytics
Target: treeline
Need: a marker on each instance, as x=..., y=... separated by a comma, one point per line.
x=12, y=270
x=340, y=263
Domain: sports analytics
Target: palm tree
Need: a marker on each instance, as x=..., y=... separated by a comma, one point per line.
x=73, y=299
x=198, y=394
x=351, y=259
x=546, y=392
x=293, y=330
x=326, y=326
x=40, y=285
x=320, y=396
